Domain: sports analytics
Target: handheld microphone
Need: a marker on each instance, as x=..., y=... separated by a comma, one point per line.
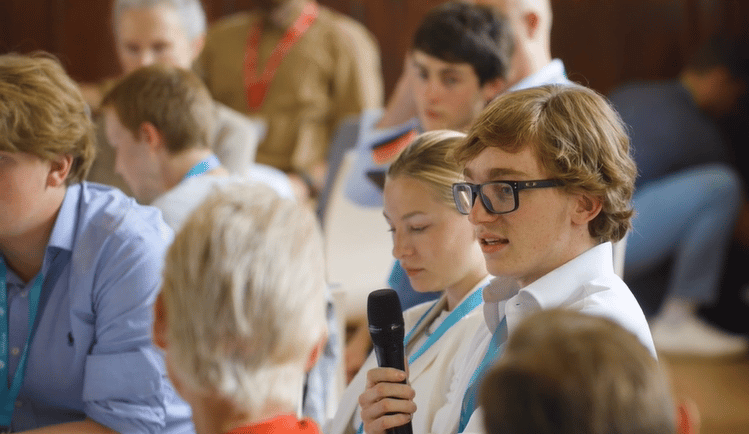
x=387, y=331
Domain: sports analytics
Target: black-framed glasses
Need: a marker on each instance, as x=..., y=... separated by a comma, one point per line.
x=498, y=197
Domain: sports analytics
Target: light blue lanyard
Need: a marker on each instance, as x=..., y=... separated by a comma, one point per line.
x=495, y=349
x=206, y=165
x=463, y=309
x=8, y=396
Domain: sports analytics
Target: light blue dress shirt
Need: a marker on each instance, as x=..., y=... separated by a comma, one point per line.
x=91, y=354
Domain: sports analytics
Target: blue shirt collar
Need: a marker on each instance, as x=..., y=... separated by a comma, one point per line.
x=63, y=232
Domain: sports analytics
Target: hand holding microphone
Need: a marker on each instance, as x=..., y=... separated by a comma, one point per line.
x=387, y=403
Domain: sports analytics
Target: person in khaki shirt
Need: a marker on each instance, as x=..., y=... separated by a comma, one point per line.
x=331, y=71
x=172, y=33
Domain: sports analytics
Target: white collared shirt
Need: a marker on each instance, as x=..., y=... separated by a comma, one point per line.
x=552, y=73
x=585, y=284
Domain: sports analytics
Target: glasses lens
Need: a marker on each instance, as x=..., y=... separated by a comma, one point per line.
x=500, y=195
x=463, y=198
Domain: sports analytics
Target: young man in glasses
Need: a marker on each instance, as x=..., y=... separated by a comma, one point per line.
x=549, y=184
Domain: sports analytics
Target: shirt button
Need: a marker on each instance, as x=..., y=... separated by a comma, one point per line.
x=24, y=293
x=15, y=351
x=2, y=364
x=18, y=404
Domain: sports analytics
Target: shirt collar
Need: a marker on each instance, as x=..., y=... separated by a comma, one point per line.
x=552, y=73
x=594, y=262
x=63, y=232
x=547, y=292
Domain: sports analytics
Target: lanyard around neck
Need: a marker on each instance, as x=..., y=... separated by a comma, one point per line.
x=206, y=165
x=463, y=309
x=8, y=395
x=256, y=86
x=496, y=346
x=467, y=306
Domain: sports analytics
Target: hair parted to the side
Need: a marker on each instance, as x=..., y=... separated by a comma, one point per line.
x=564, y=372
x=190, y=12
x=244, y=293
x=579, y=138
x=173, y=99
x=457, y=32
x=43, y=113
x=427, y=160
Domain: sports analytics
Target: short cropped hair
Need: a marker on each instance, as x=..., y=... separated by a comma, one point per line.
x=459, y=32
x=563, y=372
x=244, y=296
x=579, y=138
x=190, y=12
x=43, y=113
x=426, y=159
x=174, y=100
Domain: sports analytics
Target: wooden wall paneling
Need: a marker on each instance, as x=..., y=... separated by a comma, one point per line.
x=28, y=23
x=393, y=23
x=4, y=25
x=85, y=41
x=735, y=17
x=604, y=43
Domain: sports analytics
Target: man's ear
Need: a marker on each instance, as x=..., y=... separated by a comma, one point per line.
x=151, y=135
x=159, y=323
x=196, y=46
x=59, y=170
x=532, y=24
x=492, y=88
x=587, y=207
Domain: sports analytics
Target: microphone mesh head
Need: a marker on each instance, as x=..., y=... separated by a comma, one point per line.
x=384, y=308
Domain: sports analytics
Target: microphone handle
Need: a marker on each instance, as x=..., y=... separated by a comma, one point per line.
x=393, y=357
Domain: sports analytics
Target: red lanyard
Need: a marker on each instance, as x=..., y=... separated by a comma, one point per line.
x=257, y=86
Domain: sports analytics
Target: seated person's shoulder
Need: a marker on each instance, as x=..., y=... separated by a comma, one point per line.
x=115, y=220
x=230, y=25
x=346, y=29
x=232, y=122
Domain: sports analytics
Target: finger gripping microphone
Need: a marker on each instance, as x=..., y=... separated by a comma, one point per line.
x=387, y=330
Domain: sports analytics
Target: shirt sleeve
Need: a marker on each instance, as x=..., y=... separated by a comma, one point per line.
x=125, y=384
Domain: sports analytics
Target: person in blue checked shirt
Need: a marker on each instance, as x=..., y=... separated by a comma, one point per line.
x=80, y=265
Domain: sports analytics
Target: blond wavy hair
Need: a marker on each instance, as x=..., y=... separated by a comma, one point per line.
x=43, y=113
x=579, y=138
x=244, y=296
x=427, y=160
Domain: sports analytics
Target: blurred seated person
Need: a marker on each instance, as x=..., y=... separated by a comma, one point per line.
x=170, y=32
x=563, y=372
x=302, y=68
x=688, y=196
x=158, y=121
x=80, y=266
x=531, y=62
x=241, y=314
x=461, y=52
x=437, y=247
